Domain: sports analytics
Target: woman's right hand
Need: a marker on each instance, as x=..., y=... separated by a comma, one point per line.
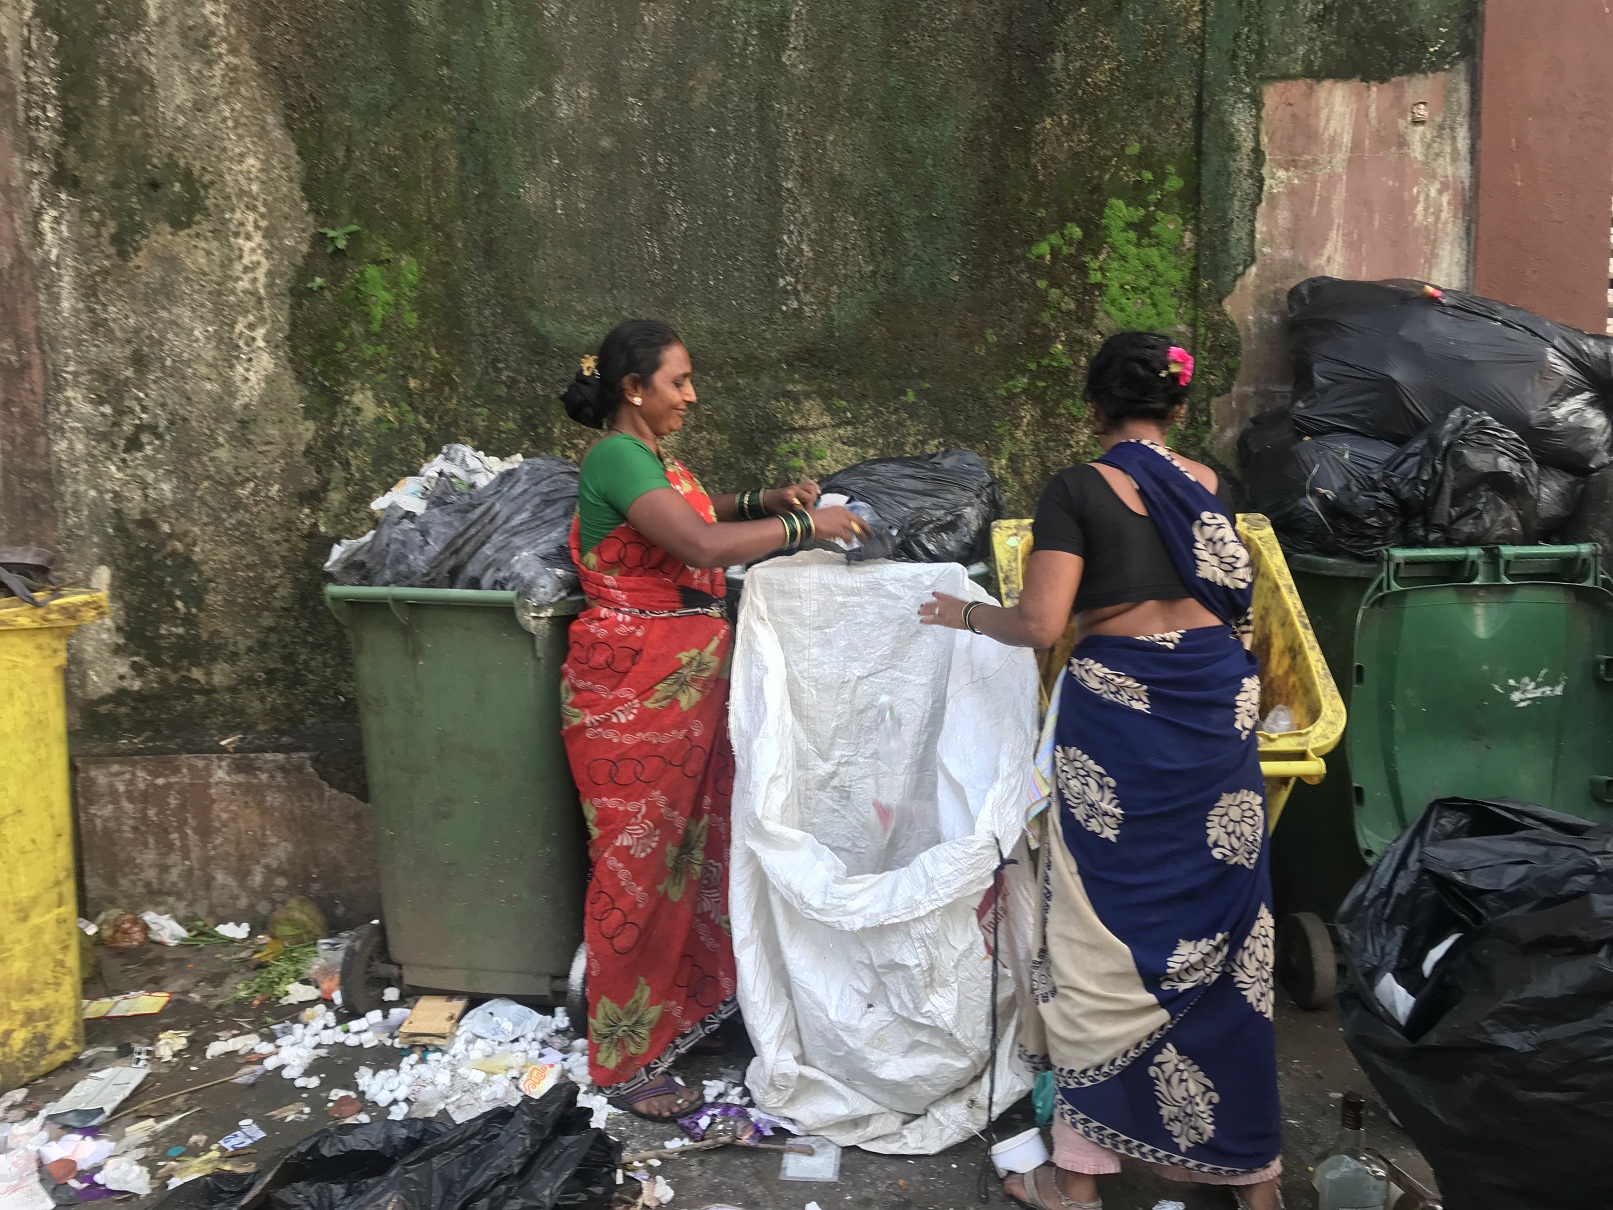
x=838, y=521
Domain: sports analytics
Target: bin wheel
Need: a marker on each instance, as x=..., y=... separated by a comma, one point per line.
x=577, y=991
x=1306, y=963
x=362, y=983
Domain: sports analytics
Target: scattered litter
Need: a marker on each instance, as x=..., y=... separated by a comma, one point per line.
x=19, y=1181
x=174, y=1153
x=235, y=932
x=657, y=1192
x=500, y=1020
x=146, y=1128
x=299, y=922
x=390, y=995
x=170, y=1042
x=122, y=930
x=433, y=1021
x=248, y=1076
x=300, y=993
x=88, y=927
x=126, y=1176
x=93, y=1098
x=238, y=1140
x=822, y=1165
x=164, y=930
x=132, y=1004
x=344, y=1107
x=297, y=1111
x=202, y=1165
x=1170, y=1206
x=238, y=1045
x=539, y=1078
x=813, y=1206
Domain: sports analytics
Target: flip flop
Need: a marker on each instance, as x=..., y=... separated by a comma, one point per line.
x=666, y=1086
x=1036, y=1193
x=1243, y=1205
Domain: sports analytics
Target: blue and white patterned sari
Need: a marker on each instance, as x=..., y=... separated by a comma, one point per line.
x=1155, y=973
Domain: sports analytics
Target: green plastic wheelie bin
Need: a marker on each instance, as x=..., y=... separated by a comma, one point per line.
x=1475, y=672
x=482, y=856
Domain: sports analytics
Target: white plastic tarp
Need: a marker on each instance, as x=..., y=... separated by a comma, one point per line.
x=868, y=994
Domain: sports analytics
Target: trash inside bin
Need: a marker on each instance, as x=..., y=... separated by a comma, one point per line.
x=1480, y=1003
x=941, y=505
x=502, y=529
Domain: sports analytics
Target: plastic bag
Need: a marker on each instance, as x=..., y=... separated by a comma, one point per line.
x=500, y=1021
x=1560, y=493
x=1501, y=1070
x=1322, y=494
x=1386, y=360
x=508, y=535
x=1592, y=520
x=868, y=996
x=1467, y=481
x=941, y=505
x=533, y=1155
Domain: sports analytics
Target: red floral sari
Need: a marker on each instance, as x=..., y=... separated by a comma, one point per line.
x=644, y=695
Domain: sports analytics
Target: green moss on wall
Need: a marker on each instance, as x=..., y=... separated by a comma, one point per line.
x=883, y=228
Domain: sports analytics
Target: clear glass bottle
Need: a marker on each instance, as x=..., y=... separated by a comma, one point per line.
x=1346, y=1177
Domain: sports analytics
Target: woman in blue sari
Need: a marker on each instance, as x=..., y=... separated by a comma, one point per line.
x=1154, y=972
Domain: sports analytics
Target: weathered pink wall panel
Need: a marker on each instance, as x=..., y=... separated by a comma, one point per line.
x=1361, y=180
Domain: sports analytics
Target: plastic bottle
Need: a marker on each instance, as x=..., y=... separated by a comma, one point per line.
x=1346, y=1178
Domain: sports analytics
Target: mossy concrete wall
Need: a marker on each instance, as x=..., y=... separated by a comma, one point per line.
x=284, y=251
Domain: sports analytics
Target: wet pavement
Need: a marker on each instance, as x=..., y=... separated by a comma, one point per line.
x=1315, y=1070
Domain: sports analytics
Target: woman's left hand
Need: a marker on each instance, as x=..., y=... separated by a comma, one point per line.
x=800, y=495
x=942, y=611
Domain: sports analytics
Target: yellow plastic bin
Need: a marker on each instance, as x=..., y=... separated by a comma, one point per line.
x=1292, y=670
x=39, y=971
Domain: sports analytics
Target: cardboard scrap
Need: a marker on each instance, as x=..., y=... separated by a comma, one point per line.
x=433, y=1021
x=93, y=1098
x=134, y=1004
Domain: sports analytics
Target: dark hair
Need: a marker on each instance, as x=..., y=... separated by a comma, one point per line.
x=633, y=347
x=1130, y=378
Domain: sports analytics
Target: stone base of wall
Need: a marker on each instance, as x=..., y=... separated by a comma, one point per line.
x=222, y=837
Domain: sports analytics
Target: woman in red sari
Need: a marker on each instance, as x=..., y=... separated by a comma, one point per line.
x=645, y=701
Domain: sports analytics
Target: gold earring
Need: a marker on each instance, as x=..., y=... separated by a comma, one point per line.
x=638, y=401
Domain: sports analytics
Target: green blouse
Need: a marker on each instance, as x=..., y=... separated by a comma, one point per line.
x=616, y=472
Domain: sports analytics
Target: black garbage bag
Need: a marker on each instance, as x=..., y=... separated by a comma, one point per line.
x=1321, y=494
x=536, y=1155
x=1592, y=520
x=941, y=505
x=1502, y=1070
x=1467, y=481
x=1560, y=493
x=1386, y=360
x=510, y=534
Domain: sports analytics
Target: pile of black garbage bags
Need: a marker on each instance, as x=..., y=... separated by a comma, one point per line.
x=1428, y=417
x=470, y=522
x=1479, y=1000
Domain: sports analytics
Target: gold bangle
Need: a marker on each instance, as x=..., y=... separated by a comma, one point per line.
x=785, y=522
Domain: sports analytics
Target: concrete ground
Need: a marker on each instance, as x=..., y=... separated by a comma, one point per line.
x=1315, y=1070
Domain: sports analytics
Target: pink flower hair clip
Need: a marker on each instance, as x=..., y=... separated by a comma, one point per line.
x=1180, y=363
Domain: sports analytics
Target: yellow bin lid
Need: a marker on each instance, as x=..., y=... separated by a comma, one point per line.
x=67, y=609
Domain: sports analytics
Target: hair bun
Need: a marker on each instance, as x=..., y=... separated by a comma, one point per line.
x=585, y=399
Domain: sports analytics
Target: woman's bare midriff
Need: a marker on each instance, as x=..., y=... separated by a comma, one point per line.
x=1138, y=618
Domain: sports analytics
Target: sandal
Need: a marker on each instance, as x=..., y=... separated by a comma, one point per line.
x=1036, y=1192
x=666, y=1086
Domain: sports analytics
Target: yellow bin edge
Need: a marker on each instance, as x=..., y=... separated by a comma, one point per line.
x=39, y=957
